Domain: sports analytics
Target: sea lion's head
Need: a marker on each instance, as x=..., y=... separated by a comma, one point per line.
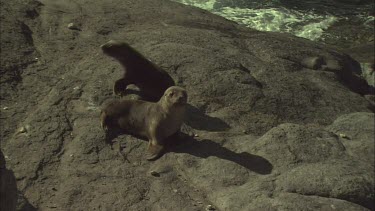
x=174, y=96
x=116, y=49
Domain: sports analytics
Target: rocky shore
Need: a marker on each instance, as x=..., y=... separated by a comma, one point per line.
x=279, y=122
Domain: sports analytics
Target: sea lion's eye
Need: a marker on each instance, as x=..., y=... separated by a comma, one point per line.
x=171, y=94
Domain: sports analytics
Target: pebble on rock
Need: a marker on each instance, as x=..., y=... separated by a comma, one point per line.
x=210, y=207
x=155, y=174
x=22, y=130
x=72, y=26
x=343, y=136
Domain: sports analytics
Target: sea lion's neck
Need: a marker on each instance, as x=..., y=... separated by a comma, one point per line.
x=132, y=60
x=167, y=108
x=177, y=113
x=164, y=105
x=124, y=62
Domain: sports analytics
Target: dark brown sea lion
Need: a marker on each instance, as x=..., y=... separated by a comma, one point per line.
x=150, y=79
x=154, y=121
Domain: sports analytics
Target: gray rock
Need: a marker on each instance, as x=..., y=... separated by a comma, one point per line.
x=290, y=145
x=293, y=201
x=368, y=73
x=360, y=127
x=351, y=181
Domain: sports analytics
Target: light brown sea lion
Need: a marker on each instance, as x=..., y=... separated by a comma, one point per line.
x=155, y=121
x=151, y=80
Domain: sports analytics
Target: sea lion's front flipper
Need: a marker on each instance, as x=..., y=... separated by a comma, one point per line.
x=154, y=151
x=120, y=87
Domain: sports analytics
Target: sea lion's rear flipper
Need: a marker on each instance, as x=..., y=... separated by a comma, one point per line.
x=154, y=151
x=103, y=121
x=120, y=86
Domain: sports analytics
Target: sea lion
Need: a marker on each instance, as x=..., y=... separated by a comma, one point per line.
x=154, y=121
x=151, y=80
x=315, y=62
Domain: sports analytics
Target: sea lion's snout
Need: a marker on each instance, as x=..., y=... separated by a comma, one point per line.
x=113, y=48
x=106, y=45
x=182, y=99
x=103, y=46
x=109, y=44
x=105, y=49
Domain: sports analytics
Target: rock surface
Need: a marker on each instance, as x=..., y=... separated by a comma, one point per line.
x=268, y=128
x=358, y=129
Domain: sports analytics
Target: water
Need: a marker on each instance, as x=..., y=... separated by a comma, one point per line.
x=307, y=25
x=336, y=23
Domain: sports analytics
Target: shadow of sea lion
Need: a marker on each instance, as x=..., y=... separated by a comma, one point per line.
x=196, y=119
x=10, y=198
x=8, y=187
x=182, y=143
x=207, y=148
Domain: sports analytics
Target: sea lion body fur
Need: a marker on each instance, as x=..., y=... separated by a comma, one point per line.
x=154, y=121
x=150, y=79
